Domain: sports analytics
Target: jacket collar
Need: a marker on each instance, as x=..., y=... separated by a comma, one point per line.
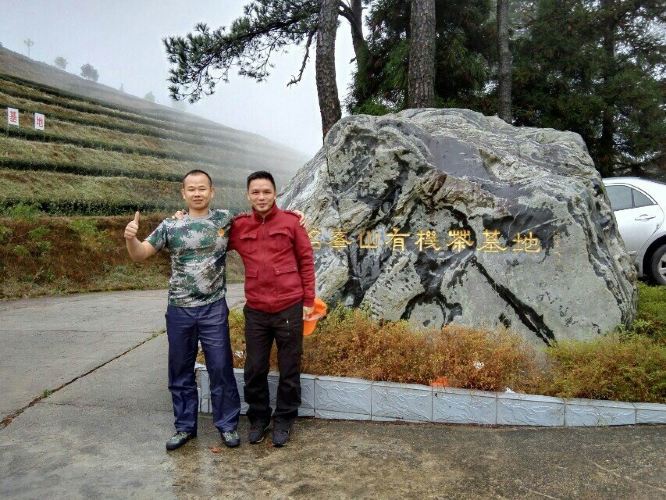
x=272, y=213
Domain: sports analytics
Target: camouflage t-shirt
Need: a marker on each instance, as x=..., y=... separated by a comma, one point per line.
x=198, y=247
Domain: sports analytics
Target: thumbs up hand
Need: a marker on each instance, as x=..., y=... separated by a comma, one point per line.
x=132, y=228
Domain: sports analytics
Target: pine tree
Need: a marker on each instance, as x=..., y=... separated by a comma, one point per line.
x=596, y=68
x=60, y=62
x=89, y=72
x=463, y=31
x=203, y=58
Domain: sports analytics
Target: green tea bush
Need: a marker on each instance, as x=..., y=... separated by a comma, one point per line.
x=616, y=367
x=23, y=211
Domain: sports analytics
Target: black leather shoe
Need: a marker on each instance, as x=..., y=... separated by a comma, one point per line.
x=179, y=439
x=257, y=432
x=231, y=439
x=281, y=434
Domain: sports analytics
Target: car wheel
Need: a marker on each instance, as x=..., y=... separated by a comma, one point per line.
x=658, y=265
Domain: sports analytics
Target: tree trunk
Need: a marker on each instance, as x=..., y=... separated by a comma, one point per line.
x=327, y=89
x=421, y=77
x=360, y=45
x=606, y=142
x=504, y=72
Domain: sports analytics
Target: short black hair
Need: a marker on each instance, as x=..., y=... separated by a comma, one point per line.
x=197, y=171
x=261, y=174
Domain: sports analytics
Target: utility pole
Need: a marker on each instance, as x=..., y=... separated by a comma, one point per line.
x=29, y=43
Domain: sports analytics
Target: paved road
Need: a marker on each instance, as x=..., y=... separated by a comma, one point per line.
x=102, y=435
x=48, y=342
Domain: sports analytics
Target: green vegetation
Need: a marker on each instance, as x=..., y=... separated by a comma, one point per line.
x=41, y=255
x=98, y=158
x=67, y=194
x=612, y=367
x=163, y=130
x=628, y=365
x=19, y=154
x=101, y=158
x=651, y=317
x=72, y=194
x=42, y=94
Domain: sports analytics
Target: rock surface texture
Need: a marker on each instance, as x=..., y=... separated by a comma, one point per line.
x=448, y=216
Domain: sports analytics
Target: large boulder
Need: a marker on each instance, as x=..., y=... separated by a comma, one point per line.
x=441, y=216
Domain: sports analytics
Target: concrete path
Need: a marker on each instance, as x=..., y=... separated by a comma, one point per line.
x=50, y=341
x=102, y=435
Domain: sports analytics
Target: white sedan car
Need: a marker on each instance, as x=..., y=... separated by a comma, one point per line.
x=640, y=210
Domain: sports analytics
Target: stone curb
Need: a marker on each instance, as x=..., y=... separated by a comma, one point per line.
x=357, y=399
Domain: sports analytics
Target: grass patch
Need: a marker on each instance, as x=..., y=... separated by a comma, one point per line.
x=58, y=255
x=615, y=366
x=69, y=194
x=26, y=155
x=627, y=365
x=651, y=315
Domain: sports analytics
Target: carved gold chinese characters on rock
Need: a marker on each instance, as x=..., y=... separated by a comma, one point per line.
x=456, y=240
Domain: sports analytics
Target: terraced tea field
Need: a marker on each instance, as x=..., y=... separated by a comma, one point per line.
x=99, y=157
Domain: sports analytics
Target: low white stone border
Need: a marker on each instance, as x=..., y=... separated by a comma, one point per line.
x=357, y=399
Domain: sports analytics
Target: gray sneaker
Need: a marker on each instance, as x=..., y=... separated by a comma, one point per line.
x=281, y=435
x=231, y=439
x=179, y=439
x=257, y=431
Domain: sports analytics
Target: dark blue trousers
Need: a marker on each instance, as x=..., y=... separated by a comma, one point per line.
x=208, y=324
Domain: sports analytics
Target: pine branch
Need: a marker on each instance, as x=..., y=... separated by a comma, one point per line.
x=296, y=79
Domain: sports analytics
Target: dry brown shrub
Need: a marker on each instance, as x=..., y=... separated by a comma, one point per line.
x=473, y=358
x=349, y=343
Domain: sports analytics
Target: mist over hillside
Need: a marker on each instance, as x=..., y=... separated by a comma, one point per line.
x=106, y=135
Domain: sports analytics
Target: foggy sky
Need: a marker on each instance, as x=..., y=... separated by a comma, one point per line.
x=122, y=39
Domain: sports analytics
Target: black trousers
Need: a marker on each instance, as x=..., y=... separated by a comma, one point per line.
x=286, y=328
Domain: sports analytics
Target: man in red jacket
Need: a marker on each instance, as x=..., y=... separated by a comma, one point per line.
x=280, y=290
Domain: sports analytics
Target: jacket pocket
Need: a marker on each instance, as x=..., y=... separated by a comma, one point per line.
x=280, y=239
x=248, y=242
x=252, y=288
x=288, y=280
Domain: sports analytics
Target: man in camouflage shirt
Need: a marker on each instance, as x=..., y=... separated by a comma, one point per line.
x=197, y=309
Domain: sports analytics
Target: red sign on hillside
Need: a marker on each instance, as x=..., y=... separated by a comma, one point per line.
x=12, y=117
x=39, y=121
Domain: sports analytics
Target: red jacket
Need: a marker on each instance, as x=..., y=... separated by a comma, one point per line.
x=277, y=254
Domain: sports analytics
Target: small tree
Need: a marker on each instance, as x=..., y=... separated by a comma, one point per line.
x=60, y=62
x=149, y=97
x=89, y=72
